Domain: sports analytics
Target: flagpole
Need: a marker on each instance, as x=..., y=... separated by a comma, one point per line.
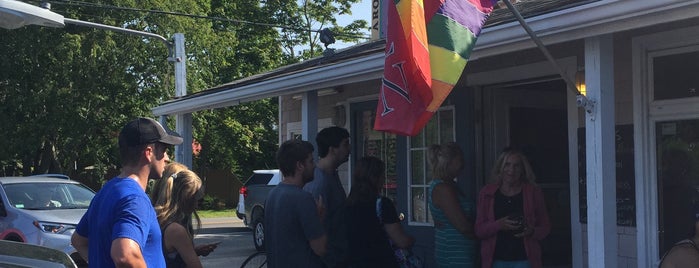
x=581, y=99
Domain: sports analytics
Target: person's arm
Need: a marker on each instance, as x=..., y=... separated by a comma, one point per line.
x=319, y=245
x=446, y=198
x=80, y=243
x=206, y=249
x=542, y=226
x=177, y=237
x=399, y=237
x=392, y=226
x=127, y=253
x=486, y=227
x=307, y=211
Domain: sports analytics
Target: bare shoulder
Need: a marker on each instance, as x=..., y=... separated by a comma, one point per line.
x=683, y=255
x=445, y=188
x=175, y=230
x=443, y=194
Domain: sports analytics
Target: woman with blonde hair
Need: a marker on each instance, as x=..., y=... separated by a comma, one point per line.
x=175, y=198
x=512, y=217
x=455, y=244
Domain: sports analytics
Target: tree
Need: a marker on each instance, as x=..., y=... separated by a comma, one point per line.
x=66, y=93
x=305, y=18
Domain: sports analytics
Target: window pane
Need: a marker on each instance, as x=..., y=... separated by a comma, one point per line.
x=446, y=125
x=417, y=163
x=381, y=145
x=438, y=130
x=675, y=76
x=419, y=213
x=417, y=141
x=678, y=179
x=432, y=131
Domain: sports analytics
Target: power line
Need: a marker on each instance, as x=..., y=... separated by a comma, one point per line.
x=103, y=6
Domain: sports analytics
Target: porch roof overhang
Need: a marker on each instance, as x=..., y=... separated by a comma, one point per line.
x=577, y=22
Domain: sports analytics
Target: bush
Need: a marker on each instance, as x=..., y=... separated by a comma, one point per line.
x=212, y=203
x=207, y=202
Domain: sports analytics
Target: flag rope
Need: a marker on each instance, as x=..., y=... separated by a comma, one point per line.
x=582, y=100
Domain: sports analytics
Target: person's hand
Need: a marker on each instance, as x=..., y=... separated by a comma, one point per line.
x=204, y=250
x=320, y=206
x=507, y=224
x=526, y=232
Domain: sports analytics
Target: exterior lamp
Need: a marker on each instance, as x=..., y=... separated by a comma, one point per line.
x=580, y=81
x=15, y=14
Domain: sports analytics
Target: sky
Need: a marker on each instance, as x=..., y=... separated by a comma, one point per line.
x=360, y=11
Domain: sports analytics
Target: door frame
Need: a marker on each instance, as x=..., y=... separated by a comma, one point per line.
x=646, y=114
x=481, y=81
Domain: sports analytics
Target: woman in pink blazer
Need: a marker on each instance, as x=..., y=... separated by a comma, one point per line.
x=511, y=215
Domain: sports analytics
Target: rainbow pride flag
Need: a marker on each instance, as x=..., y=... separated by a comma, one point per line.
x=428, y=43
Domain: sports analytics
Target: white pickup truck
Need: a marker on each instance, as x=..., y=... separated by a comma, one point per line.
x=251, y=202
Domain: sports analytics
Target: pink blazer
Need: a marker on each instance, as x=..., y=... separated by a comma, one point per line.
x=535, y=216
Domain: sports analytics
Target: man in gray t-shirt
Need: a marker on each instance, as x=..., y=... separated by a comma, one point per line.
x=333, y=150
x=294, y=235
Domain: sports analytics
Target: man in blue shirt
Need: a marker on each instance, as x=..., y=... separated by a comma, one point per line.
x=120, y=228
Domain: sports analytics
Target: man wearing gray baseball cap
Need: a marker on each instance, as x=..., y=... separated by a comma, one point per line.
x=120, y=227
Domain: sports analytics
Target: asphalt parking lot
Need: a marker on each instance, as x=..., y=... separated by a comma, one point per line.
x=236, y=241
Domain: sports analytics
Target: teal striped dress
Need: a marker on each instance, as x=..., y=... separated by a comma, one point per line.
x=451, y=249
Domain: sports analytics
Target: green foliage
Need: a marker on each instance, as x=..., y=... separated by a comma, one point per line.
x=241, y=138
x=216, y=213
x=206, y=203
x=66, y=92
x=307, y=17
x=211, y=203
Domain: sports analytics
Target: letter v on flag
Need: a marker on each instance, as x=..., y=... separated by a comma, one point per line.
x=428, y=43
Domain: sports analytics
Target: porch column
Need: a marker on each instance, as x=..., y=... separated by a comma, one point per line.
x=309, y=118
x=183, y=153
x=599, y=134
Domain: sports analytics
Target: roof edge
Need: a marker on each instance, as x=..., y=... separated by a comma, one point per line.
x=592, y=19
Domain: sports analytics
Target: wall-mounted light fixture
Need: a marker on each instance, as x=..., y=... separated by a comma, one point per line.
x=580, y=81
x=321, y=93
x=340, y=116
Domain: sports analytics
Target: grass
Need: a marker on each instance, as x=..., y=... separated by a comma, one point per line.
x=216, y=213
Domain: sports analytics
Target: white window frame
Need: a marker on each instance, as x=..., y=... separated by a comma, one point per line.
x=409, y=189
x=648, y=112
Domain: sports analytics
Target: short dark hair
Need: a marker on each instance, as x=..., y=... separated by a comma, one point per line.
x=292, y=152
x=129, y=155
x=330, y=137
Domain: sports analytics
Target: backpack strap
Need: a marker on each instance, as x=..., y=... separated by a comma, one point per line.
x=379, y=209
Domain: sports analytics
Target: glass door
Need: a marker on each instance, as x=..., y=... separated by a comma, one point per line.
x=677, y=164
x=532, y=117
x=369, y=142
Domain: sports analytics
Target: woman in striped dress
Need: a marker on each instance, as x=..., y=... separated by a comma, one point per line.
x=452, y=213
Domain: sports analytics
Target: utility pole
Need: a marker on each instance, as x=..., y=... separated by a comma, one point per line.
x=183, y=122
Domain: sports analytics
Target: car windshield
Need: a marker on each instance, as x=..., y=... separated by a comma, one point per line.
x=259, y=178
x=42, y=196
